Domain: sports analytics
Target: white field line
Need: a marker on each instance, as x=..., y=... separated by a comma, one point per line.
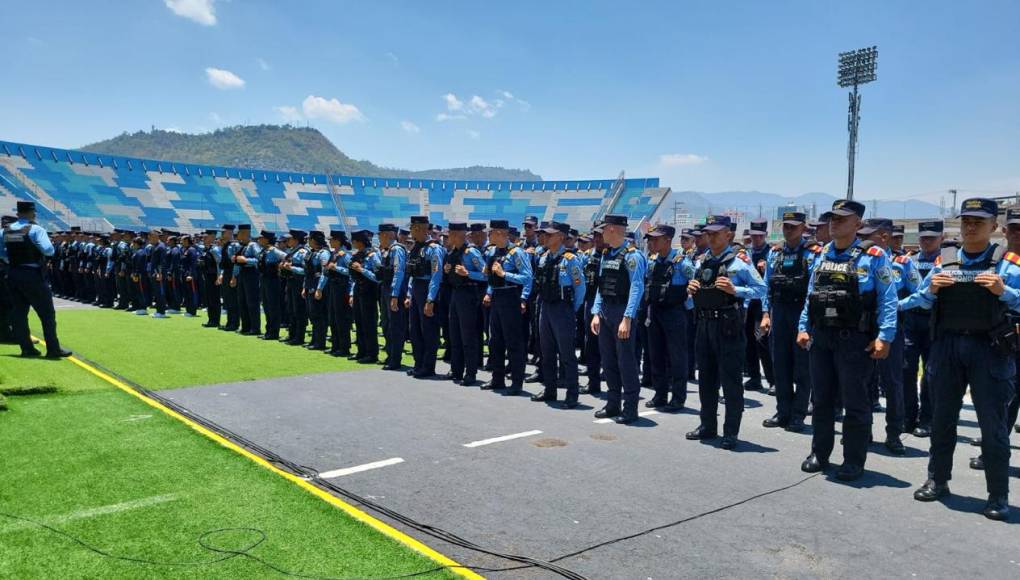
x=93, y=512
x=501, y=439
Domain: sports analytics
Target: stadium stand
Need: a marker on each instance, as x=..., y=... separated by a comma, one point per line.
x=103, y=191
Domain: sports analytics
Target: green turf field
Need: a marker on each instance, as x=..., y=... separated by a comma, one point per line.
x=101, y=465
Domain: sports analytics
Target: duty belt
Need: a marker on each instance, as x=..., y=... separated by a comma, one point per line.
x=716, y=313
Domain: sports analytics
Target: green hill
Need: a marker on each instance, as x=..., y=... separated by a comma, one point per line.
x=276, y=147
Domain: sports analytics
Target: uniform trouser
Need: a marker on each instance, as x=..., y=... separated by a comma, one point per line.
x=317, y=314
x=248, y=297
x=6, y=309
x=507, y=336
x=464, y=339
x=721, y=342
x=531, y=320
x=424, y=329
x=213, y=308
x=642, y=352
x=692, y=345
x=159, y=292
x=790, y=363
x=442, y=312
x=338, y=313
x=29, y=289
x=396, y=333
x=140, y=293
x=173, y=292
x=557, y=331
x=192, y=295
x=841, y=368
x=366, y=320
x=384, y=315
x=757, y=349
x=890, y=369
x=482, y=331
x=592, y=355
x=667, y=346
x=916, y=348
x=619, y=360
x=958, y=361
x=299, y=311
x=270, y=288
x=123, y=283
x=230, y=304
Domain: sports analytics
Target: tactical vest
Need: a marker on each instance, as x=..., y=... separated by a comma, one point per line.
x=788, y=282
x=837, y=300
x=456, y=258
x=334, y=276
x=313, y=269
x=387, y=269
x=264, y=267
x=966, y=307
x=364, y=286
x=660, y=289
x=708, y=297
x=498, y=256
x=225, y=264
x=614, y=278
x=591, y=274
x=102, y=260
x=551, y=290
x=417, y=264
x=20, y=249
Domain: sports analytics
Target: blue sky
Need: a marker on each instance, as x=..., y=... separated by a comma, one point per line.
x=709, y=96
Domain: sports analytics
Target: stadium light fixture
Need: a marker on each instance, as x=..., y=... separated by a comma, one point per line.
x=856, y=67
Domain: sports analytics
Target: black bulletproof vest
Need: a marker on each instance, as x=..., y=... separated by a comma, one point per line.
x=837, y=301
x=789, y=279
x=614, y=278
x=966, y=307
x=20, y=249
x=551, y=290
x=498, y=256
x=313, y=268
x=385, y=271
x=364, y=285
x=417, y=265
x=708, y=297
x=591, y=274
x=455, y=258
x=264, y=267
x=660, y=289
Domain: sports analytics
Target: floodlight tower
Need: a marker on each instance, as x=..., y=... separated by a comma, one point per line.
x=856, y=67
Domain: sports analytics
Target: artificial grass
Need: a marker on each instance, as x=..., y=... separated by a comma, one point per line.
x=179, y=352
x=26, y=373
x=65, y=454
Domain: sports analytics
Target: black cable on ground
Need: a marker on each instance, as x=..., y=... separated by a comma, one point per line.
x=312, y=475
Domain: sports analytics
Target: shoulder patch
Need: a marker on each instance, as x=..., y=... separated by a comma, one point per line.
x=816, y=248
x=744, y=257
x=340, y=254
x=1012, y=258
x=901, y=259
x=875, y=251
x=629, y=250
x=370, y=254
x=569, y=256
x=512, y=251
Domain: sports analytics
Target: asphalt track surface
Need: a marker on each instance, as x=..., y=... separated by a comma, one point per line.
x=471, y=462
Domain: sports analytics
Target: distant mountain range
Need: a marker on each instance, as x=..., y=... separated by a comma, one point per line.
x=278, y=148
x=755, y=203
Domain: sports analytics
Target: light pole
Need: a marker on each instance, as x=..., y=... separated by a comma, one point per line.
x=856, y=67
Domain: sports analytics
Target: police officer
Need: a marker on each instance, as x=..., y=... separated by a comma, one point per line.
x=294, y=266
x=621, y=286
x=189, y=277
x=393, y=287
x=590, y=352
x=139, y=275
x=757, y=350
x=338, y=285
x=917, y=336
x=209, y=270
x=509, y=285
x=313, y=291
x=24, y=247
x=227, y=285
x=270, y=287
x=562, y=295
x=478, y=238
x=464, y=271
x=850, y=315
x=364, y=272
x=787, y=274
x=425, y=268
x=156, y=270
x=970, y=291
x=6, y=304
x=896, y=240
x=668, y=273
x=246, y=280
x=722, y=282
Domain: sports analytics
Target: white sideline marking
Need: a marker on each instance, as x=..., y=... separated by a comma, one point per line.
x=613, y=419
x=93, y=512
x=360, y=468
x=503, y=438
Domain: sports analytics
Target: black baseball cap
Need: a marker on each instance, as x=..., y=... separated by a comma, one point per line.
x=557, y=227
x=794, y=218
x=935, y=228
x=979, y=207
x=847, y=207
x=898, y=230
x=1013, y=216
x=458, y=227
x=661, y=230
x=873, y=225
x=615, y=219
x=759, y=228
x=716, y=223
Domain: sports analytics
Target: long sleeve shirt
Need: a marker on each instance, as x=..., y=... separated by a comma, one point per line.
x=433, y=254
x=397, y=257
x=250, y=253
x=516, y=264
x=779, y=255
x=1008, y=270
x=636, y=266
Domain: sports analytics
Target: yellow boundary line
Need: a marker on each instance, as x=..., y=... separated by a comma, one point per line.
x=380, y=526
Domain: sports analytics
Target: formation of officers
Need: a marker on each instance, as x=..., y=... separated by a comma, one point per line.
x=835, y=315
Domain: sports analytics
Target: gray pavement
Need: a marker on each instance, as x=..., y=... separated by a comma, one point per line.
x=579, y=483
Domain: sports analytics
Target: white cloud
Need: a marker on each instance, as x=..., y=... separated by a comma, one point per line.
x=410, y=127
x=262, y=63
x=474, y=134
x=223, y=79
x=525, y=106
x=215, y=118
x=447, y=117
x=173, y=130
x=484, y=108
x=507, y=95
x=330, y=109
x=201, y=11
x=289, y=113
x=393, y=58
x=452, y=102
x=677, y=159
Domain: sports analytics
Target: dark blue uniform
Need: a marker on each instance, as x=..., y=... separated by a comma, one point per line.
x=465, y=311
x=561, y=296
x=507, y=331
x=24, y=247
x=666, y=296
x=621, y=286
